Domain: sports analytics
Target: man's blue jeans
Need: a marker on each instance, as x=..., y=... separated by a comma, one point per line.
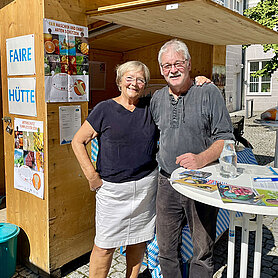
x=174, y=211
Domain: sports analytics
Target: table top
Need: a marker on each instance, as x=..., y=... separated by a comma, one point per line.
x=213, y=198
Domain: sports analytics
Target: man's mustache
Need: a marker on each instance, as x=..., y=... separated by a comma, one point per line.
x=174, y=75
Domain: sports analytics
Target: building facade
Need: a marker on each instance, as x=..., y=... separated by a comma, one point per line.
x=263, y=90
x=234, y=64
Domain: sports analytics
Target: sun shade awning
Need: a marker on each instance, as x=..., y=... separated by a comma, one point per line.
x=197, y=20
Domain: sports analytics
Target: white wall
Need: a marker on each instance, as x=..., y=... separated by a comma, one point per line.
x=261, y=102
x=233, y=65
x=233, y=77
x=252, y=3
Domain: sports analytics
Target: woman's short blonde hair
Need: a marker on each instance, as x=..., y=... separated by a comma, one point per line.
x=131, y=66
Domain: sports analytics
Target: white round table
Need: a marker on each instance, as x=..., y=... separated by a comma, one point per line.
x=249, y=171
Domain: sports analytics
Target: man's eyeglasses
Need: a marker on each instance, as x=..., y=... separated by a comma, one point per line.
x=139, y=81
x=179, y=65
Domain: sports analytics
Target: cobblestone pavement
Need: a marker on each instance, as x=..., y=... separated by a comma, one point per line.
x=81, y=270
x=263, y=141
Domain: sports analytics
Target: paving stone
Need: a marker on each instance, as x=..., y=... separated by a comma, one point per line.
x=268, y=271
x=76, y=274
x=120, y=267
x=117, y=275
x=25, y=272
x=84, y=269
x=121, y=259
x=267, y=263
x=19, y=268
x=33, y=275
x=275, y=267
x=268, y=258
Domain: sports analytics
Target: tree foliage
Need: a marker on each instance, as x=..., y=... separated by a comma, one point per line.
x=266, y=13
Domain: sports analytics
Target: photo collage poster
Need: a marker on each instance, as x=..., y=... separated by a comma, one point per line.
x=66, y=62
x=219, y=78
x=29, y=156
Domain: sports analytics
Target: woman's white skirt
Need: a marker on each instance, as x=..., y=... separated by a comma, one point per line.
x=125, y=212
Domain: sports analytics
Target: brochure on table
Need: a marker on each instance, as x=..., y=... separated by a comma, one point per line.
x=28, y=156
x=197, y=179
x=207, y=185
x=66, y=62
x=260, y=190
x=247, y=195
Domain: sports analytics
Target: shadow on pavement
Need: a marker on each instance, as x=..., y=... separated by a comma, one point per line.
x=145, y=274
x=264, y=159
x=73, y=265
x=221, y=251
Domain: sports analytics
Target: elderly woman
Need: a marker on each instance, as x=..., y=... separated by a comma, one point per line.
x=126, y=177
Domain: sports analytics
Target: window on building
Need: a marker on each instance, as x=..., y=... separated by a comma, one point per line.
x=258, y=85
x=220, y=2
x=237, y=6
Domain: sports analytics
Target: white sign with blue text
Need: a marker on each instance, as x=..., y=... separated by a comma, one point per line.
x=22, y=96
x=21, y=55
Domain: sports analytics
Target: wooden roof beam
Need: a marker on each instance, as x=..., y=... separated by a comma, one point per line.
x=132, y=5
x=98, y=24
x=107, y=32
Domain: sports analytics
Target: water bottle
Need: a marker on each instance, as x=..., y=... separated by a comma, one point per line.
x=228, y=160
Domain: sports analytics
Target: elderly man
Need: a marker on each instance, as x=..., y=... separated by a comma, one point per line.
x=193, y=123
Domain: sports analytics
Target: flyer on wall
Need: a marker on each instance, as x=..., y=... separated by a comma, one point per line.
x=66, y=62
x=69, y=122
x=28, y=156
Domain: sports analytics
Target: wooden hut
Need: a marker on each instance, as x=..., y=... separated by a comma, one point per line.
x=60, y=227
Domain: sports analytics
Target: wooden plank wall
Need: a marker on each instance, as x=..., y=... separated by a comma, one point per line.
x=71, y=203
x=112, y=59
x=219, y=55
x=201, y=55
x=2, y=167
x=30, y=213
x=70, y=11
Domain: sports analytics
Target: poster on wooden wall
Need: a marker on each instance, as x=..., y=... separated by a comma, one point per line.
x=28, y=156
x=219, y=78
x=66, y=62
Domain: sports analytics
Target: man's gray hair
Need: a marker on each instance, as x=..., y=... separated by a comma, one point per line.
x=177, y=45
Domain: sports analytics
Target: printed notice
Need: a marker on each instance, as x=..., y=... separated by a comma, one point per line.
x=69, y=122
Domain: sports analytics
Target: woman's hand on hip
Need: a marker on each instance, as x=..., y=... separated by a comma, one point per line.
x=95, y=182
